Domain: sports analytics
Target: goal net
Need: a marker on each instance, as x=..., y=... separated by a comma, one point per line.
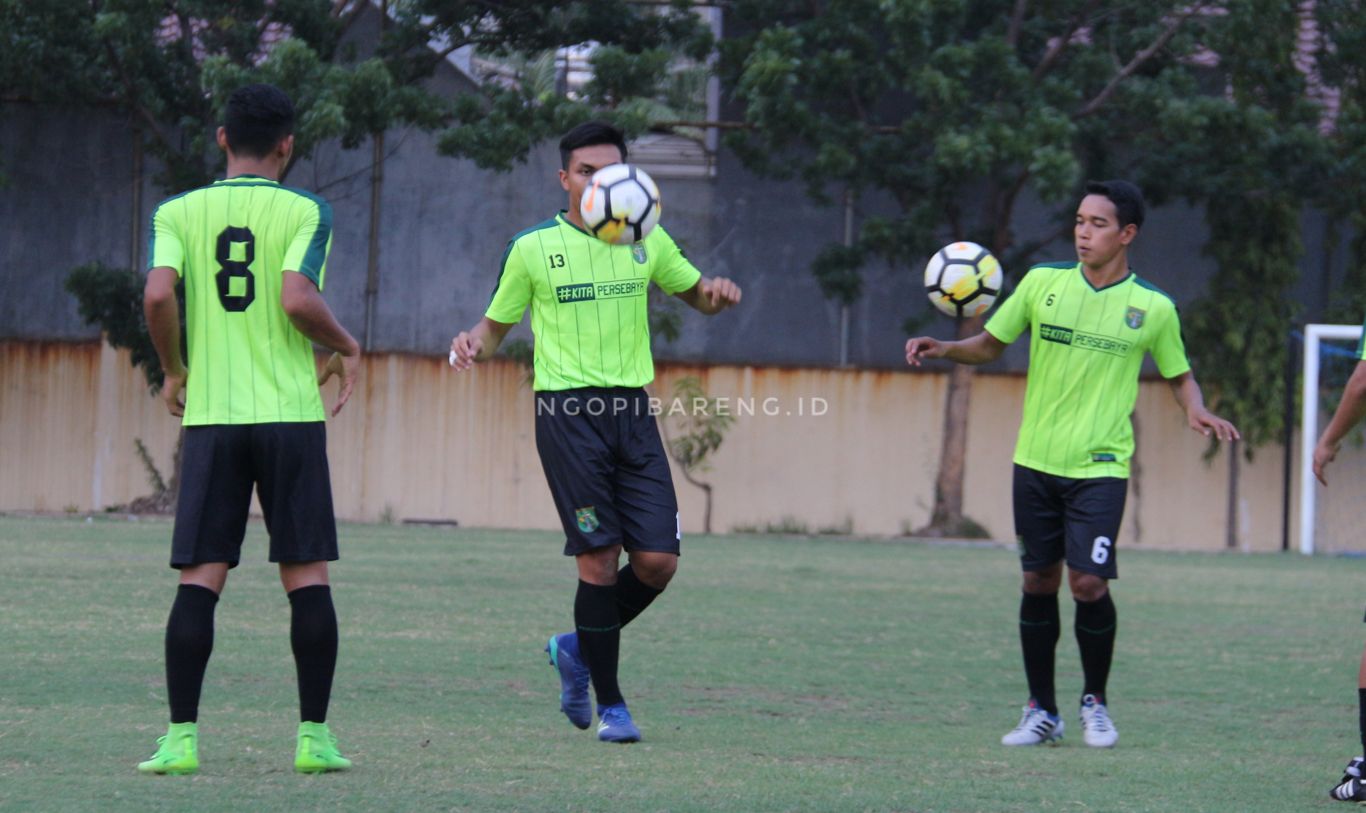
x=1332, y=519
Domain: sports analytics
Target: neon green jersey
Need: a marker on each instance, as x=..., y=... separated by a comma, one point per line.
x=588, y=302
x=231, y=243
x=1085, y=352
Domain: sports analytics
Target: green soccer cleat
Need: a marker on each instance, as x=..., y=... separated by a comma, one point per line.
x=177, y=752
x=317, y=751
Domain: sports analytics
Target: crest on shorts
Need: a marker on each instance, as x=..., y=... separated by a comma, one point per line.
x=587, y=518
x=1134, y=318
x=638, y=253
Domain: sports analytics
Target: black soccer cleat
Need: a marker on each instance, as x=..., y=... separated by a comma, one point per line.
x=1350, y=788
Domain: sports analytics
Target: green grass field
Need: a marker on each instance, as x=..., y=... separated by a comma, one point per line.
x=776, y=674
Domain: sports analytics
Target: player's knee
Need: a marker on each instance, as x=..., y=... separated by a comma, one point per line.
x=1087, y=587
x=1042, y=582
x=656, y=570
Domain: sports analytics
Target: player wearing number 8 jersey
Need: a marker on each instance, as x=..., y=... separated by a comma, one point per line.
x=1090, y=322
x=252, y=255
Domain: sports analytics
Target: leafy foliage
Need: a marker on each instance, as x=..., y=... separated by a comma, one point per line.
x=111, y=298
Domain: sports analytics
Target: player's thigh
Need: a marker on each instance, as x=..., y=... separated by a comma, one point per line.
x=578, y=465
x=294, y=485
x=1040, y=531
x=214, y=497
x=645, y=498
x=1095, y=510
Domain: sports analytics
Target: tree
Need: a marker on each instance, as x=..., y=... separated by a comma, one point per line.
x=952, y=111
x=170, y=67
x=700, y=428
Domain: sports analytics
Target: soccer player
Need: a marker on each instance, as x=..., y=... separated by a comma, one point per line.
x=1090, y=323
x=598, y=441
x=252, y=254
x=1349, y=413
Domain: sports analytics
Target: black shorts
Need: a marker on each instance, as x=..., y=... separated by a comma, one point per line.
x=606, y=468
x=287, y=462
x=1064, y=517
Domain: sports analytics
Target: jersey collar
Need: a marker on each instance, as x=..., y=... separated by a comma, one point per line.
x=566, y=221
x=1119, y=281
x=247, y=179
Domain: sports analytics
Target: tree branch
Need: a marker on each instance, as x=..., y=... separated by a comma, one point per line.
x=1063, y=41
x=1016, y=20
x=1137, y=62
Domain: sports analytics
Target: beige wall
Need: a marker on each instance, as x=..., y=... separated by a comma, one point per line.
x=419, y=441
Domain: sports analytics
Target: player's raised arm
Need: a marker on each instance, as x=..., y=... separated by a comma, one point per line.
x=477, y=343
x=978, y=349
x=1349, y=413
x=711, y=295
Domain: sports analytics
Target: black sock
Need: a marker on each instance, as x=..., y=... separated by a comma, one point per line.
x=633, y=595
x=1039, y=631
x=189, y=642
x=313, y=636
x=1361, y=716
x=1095, y=627
x=599, y=627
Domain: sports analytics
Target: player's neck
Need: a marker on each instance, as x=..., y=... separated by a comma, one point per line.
x=572, y=215
x=1110, y=273
x=260, y=167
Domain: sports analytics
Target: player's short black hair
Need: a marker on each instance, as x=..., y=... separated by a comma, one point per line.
x=1127, y=198
x=256, y=118
x=589, y=134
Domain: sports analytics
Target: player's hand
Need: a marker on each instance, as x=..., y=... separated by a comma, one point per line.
x=720, y=293
x=923, y=347
x=464, y=349
x=172, y=387
x=347, y=370
x=1207, y=423
x=1324, y=454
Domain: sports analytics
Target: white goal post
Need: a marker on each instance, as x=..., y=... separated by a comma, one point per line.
x=1309, y=421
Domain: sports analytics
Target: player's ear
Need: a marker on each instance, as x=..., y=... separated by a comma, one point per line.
x=222, y=138
x=564, y=180
x=1128, y=233
x=285, y=148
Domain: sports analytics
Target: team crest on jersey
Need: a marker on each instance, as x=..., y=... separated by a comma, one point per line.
x=638, y=253
x=1134, y=318
x=587, y=519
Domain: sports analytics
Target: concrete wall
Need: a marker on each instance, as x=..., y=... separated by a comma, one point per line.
x=445, y=223
x=818, y=448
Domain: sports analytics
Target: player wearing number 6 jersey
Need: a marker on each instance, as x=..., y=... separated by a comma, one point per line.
x=1090, y=324
x=251, y=254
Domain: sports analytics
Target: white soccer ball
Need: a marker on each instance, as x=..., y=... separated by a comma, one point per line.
x=620, y=205
x=963, y=279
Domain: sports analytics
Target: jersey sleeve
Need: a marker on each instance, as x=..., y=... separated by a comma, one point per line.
x=670, y=269
x=1014, y=315
x=164, y=247
x=1169, y=350
x=513, y=293
x=307, y=252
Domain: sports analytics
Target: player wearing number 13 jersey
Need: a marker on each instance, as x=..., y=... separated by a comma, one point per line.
x=1090, y=324
x=251, y=254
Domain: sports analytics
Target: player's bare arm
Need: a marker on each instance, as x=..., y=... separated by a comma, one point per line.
x=163, y=323
x=711, y=295
x=1349, y=413
x=310, y=315
x=978, y=349
x=1200, y=419
x=478, y=343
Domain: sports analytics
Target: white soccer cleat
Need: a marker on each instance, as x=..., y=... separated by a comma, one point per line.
x=1349, y=787
x=1097, y=729
x=1035, y=728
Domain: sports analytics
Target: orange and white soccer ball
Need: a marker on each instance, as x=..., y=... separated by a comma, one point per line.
x=963, y=279
x=620, y=205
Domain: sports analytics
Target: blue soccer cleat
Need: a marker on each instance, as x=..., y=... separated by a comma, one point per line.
x=616, y=725
x=564, y=656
